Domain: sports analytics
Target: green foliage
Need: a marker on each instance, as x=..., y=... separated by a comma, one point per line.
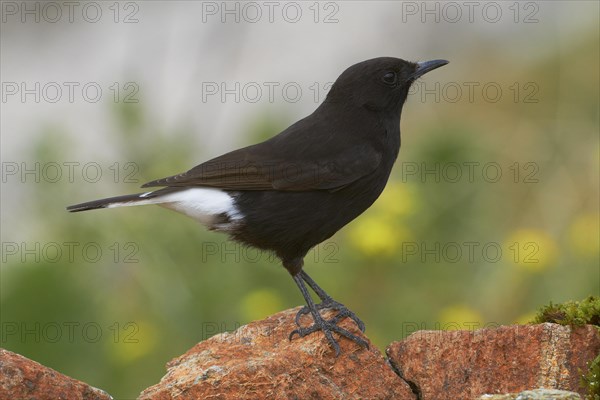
x=578, y=313
x=591, y=380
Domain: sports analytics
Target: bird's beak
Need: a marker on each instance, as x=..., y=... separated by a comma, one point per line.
x=426, y=66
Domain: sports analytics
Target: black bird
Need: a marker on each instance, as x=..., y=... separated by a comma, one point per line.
x=295, y=190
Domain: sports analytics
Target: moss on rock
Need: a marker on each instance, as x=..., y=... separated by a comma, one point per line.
x=577, y=313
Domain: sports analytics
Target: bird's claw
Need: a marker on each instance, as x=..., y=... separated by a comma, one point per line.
x=329, y=326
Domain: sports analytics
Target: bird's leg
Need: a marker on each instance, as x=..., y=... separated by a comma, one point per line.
x=327, y=302
x=320, y=324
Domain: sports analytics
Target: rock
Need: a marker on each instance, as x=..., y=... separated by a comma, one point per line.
x=537, y=394
x=257, y=361
x=21, y=378
x=509, y=359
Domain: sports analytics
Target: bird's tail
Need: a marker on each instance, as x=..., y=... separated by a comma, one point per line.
x=118, y=201
x=212, y=207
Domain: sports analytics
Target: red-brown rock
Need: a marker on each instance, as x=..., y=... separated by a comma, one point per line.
x=257, y=361
x=466, y=364
x=21, y=378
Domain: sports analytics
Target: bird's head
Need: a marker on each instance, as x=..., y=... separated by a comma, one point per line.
x=379, y=84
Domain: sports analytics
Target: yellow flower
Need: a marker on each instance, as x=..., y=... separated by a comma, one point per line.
x=130, y=341
x=584, y=235
x=531, y=249
x=377, y=235
x=261, y=303
x=398, y=199
x=460, y=316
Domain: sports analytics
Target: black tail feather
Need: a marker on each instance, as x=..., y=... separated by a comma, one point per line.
x=103, y=203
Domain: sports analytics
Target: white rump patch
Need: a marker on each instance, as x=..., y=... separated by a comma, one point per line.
x=201, y=204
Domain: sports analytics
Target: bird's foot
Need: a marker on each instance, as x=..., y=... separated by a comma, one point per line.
x=342, y=310
x=330, y=325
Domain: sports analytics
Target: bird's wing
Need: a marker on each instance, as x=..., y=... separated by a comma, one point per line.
x=284, y=163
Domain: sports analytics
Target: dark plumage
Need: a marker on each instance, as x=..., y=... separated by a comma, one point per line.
x=298, y=188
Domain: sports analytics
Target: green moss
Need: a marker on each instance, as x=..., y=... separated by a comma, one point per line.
x=577, y=313
x=591, y=380
x=571, y=313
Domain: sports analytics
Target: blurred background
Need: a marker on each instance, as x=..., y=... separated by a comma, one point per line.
x=491, y=211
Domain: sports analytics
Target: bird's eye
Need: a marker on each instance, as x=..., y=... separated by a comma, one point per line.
x=389, y=78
